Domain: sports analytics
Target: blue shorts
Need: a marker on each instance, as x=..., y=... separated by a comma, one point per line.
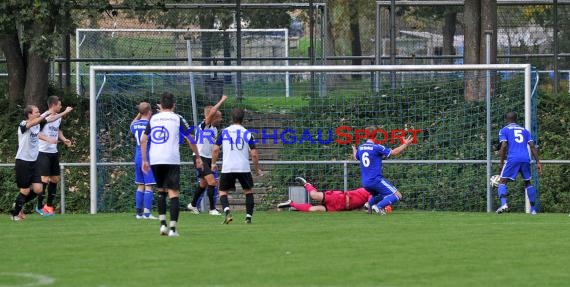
x=143, y=178
x=382, y=187
x=512, y=169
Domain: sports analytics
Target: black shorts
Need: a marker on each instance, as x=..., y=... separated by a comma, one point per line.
x=167, y=175
x=206, y=167
x=228, y=180
x=26, y=173
x=48, y=164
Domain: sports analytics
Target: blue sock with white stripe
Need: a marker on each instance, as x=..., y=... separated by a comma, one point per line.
x=388, y=200
x=139, y=198
x=502, y=191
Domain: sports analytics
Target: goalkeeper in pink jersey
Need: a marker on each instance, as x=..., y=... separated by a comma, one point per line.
x=330, y=200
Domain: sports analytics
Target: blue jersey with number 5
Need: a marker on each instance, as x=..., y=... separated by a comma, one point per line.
x=517, y=139
x=370, y=156
x=137, y=129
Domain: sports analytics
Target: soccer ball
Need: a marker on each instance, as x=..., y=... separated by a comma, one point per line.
x=495, y=179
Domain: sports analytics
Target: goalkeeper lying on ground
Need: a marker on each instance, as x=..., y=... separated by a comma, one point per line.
x=330, y=200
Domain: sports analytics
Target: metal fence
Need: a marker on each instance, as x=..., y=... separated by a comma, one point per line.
x=324, y=32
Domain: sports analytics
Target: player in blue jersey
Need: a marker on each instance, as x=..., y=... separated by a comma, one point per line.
x=515, y=141
x=145, y=181
x=370, y=156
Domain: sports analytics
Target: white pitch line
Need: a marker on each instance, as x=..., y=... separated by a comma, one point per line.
x=40, y=279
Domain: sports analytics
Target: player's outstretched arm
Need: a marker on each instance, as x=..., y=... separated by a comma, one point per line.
x=54, y=117
x=401, y=148
x=38, y=120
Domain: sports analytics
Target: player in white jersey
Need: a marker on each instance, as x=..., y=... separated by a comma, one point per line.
x=238, y=144
x=26, y=172
x=206, y=135
x=164, y=131
x=48, y=158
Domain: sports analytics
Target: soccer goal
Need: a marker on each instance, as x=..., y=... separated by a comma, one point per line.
x=180, y=47
x=310, y=133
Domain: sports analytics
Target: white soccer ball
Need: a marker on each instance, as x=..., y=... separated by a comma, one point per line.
x=495, y=179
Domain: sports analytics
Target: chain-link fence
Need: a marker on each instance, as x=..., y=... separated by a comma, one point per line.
x=357, y=32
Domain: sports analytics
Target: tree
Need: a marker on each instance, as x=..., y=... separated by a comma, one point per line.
x=356, y=46
x=479, y=16
x=447, y=15
x=29, y=34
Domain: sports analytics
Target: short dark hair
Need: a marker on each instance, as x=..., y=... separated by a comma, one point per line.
x=28, y=110
x=167, y=100
x=52, y=100
x=238, y=115
x=511, y=117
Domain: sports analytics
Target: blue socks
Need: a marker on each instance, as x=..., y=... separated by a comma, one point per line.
x=502, y=191
x=148, y=198
x=388, y=200
x=139, y=199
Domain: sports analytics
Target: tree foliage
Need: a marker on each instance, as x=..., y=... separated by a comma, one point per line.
x=29, y=36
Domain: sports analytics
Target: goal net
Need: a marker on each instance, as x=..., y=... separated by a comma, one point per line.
x=178, y=47
x=310, y=133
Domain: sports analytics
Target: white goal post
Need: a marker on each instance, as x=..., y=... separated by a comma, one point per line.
x=526, y=68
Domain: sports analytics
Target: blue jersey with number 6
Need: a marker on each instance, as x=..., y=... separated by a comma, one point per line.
x=370, y=156
x=137, y=129
x=517, y=139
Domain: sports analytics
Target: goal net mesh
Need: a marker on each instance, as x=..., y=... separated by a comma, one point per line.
x=299, y=135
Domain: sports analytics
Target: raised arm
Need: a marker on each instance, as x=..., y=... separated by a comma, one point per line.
x=401, y=148
x=213, y=110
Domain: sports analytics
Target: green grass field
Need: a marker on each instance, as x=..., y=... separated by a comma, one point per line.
x=289, y=249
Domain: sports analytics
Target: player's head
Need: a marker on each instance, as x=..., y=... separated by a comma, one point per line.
x=167, y=101
x=144, y=108
x=31, y=112
x=511, y=117
x=370, y=131
x=237, y=116
x=54, y=103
